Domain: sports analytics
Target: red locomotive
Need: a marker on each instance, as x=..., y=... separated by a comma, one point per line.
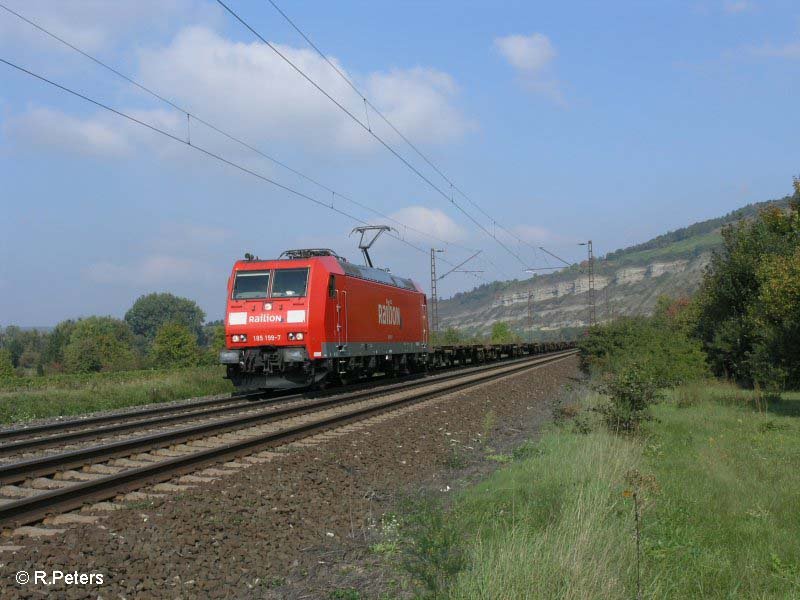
x=311, y=316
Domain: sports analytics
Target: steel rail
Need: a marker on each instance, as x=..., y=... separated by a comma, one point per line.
x=18, y=471
x=36, y=507
x=100, y=419
x=134, y=418
x=85, y=434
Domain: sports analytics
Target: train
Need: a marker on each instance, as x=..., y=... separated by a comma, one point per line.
x=311, y=318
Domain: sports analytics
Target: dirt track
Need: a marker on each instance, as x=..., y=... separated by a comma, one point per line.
x=299, y=525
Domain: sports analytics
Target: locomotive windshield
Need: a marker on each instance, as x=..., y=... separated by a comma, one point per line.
x=289, y=283
x=250, y=285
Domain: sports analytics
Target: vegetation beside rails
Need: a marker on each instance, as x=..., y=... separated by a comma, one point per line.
x=713, y=474
x=26, y=398
x=658, y=482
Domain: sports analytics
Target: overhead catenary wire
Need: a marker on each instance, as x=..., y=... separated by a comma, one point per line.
x=334, y=193
x=554, y=256
x=370, y=131
x=385, y=119
x=198, y=148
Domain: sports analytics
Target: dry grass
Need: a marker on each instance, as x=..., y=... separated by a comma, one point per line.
x=542, y=523
x=715, y=472
x=73, y=395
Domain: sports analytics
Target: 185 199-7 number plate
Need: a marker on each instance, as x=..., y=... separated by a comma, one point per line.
x=276, y=337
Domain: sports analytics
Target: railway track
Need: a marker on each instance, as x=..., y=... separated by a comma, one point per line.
x=107, y=419
x=32, y=489
x=18, y=440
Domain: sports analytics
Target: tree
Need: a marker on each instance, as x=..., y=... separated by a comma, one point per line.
x=100, y=344
x=174, y=346
x=6, y=365
x=502, y=334
x=152, y=311
x=57, y=340
x=210, y=334
x=12, y=339
x=452, y=336
x=218, y=338
x=660, y=347
x=215, y=336
x=25, y=346
x=749, y=304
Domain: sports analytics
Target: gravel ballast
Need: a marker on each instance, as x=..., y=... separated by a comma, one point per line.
x=299, y=525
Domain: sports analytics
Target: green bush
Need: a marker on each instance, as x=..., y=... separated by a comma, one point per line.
x=748, y=307
x=502, y=333
x=100, y=344
x=149, y=313
x=216, y=335
x=658, y=345
x=449, y=337
x=631, y=391
x=174, y=346
x=6, y=365
x=57, y=341
x=434, y=548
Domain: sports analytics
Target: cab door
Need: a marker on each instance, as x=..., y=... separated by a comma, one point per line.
x=424, y=317
x=342, y=332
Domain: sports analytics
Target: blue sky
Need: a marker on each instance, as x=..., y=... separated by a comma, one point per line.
x=563, y=121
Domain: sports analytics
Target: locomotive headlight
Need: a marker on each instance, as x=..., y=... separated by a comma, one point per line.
x=294, y=354
x=229, y=357
x=243, y=338
x=290, y=336
x=299, y=336
x=268, y=306
x=235, y=338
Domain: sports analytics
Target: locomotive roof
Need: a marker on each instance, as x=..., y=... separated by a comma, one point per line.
x=362, y=272
x=372, y=274
x=351, y=269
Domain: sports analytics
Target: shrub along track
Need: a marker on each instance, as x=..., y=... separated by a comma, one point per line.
x=111, y=469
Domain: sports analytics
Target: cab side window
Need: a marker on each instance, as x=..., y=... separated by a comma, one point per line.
x=332, y=286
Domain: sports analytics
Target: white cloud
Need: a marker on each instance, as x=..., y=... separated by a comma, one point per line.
x=417, y=101
x=153, y=270
x=190, y=238
x=790, y=50
x=532, y=56
x=736, y=6
x=92, y=24
x=247, y=87
x=249, y=91
x=526, y=52
x=431, y=221
x=535, y=234
x=91, y=136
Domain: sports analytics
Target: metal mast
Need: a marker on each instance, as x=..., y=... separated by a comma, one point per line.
x=592, y=304
x=434, y=279
x=434, y=297
x=530, y=316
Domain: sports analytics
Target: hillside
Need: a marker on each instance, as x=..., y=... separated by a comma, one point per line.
x=628, y=282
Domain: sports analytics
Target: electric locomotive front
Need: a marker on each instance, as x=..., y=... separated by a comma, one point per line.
x=274, y=319
x=312, y=315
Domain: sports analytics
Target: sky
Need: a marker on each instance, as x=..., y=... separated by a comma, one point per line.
x=555, y=123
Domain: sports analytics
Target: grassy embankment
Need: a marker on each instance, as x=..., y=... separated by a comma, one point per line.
x=26, y=398
x=718, y=484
